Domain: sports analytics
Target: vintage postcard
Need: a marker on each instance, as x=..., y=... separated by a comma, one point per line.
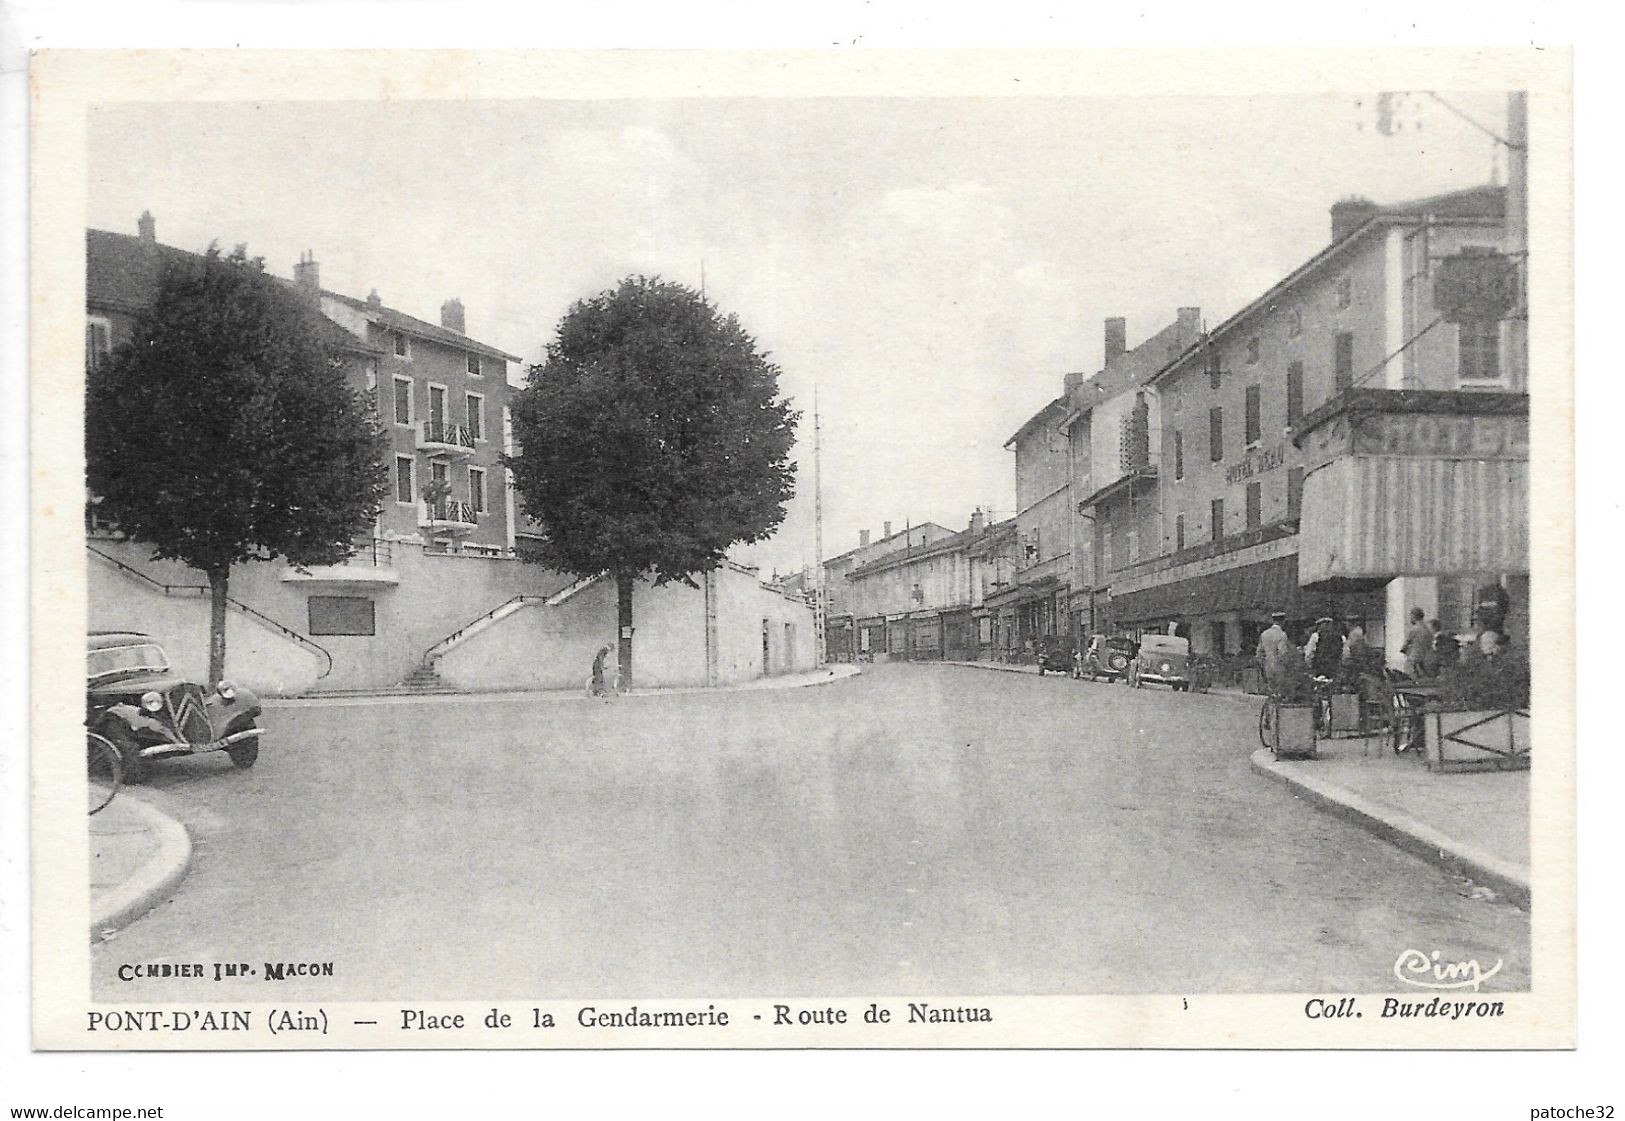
x=803, y=550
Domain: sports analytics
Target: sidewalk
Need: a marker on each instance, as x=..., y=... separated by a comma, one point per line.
x=138, y=856
x=1473, y=824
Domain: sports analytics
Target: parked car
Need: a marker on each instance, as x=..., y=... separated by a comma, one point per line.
x=147, y=713
x=1055, y=657
x=1162, y=659
x=1106, y=657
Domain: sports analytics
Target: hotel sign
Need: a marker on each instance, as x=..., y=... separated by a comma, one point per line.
x=1420, y=435
x=1255, y=462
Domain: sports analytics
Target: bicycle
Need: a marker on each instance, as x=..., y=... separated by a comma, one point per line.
x=106, y=771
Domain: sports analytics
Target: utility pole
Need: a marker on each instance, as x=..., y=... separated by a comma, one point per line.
x=820, y=604
x=1517, y=143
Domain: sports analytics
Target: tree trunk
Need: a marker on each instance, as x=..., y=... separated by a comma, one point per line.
x=218, y=578
x=623, y=612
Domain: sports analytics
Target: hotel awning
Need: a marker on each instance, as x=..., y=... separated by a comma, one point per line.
x=1368, y=518
x=1269, y=585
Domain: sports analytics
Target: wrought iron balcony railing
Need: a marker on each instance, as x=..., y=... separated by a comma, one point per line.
x=450, y=510
x=440, y=432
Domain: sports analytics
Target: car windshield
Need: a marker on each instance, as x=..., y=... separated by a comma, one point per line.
x=146, y=657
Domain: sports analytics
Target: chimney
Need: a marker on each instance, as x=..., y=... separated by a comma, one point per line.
x=978, y=520
x=1070, y=384
x=885, y=530
x=863, y=538
x=1189, y=320
x=307, y=274
x=1350, y=214
x=374, y=299
x=1116, y=338
x=148, y=227
x=451, y=315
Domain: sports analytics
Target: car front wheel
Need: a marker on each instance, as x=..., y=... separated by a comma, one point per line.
x=136, y=769
x=245, y=754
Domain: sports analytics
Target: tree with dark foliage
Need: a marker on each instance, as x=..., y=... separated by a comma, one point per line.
x=225, y=430
x=652, y=439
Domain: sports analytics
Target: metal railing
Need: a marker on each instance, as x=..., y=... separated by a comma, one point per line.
x=202, y=591
x=442, y=432
x=451, y=510
x=439, y=648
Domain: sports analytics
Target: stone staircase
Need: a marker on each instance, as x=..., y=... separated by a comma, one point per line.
x=424, y=679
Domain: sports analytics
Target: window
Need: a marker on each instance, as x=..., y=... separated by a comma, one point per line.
x=403, y=401
x=1179, y=455
x=1215, y=433
x=1255, y=505
x=1345, y=292
x=405, y=492
x=403, y=346
x=476, y=489
x=1252, y=350
x=1343, y=360
x=1294, y=393
x=1108, y=544
x=476, y=416
x=1294, y=323
x=341, y=615
x=372, y=374
x=1294, y=493
x=1479, y=345
x=98, y=343
x=474, y=365
x=1179, y=533
x=1254, y=424
x=1133, y=536
x=437, y=407
x=1218, y=519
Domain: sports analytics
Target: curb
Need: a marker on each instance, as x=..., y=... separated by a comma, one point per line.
x=1401, y=830
x=151, y=883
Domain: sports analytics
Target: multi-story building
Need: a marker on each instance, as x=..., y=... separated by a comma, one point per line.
x=1353, y=442
x=1116, y=434
x=843, y=637
x=1032, y=611
x=442, y=397
x=920, y=602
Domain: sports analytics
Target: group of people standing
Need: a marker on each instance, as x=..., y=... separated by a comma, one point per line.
x=1331, y=651
x=1428, y=648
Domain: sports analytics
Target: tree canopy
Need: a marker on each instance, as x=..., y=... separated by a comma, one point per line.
x=652, y=437
x=226, y=431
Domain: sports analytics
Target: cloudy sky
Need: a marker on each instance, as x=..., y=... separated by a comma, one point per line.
x=932, y=266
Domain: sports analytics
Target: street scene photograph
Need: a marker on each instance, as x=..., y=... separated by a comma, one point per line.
x=717, y=548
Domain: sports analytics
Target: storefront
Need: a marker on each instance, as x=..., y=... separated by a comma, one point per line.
x=1422, y=493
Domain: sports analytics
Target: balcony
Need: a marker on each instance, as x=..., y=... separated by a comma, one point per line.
x=447, y=516
x=450, y=441
x=372, y=565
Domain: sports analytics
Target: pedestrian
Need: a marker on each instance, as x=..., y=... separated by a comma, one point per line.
x=598, y=685
x=1446, y=650
x=1418, y=645
x=1325, y=649
x=1272, y=647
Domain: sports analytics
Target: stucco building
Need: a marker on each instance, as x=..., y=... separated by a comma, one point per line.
x=1352, y=442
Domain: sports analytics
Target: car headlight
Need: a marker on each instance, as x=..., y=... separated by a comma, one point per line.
x=152, y=702
x=1165, y=667
x=227, y=690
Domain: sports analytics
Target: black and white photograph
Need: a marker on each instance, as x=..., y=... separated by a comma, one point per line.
x=666, y=551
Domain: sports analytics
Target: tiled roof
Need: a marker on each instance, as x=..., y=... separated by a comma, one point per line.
x=394, y=320
x=121, y=274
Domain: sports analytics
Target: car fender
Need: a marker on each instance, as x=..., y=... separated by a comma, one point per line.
x=134, y=719
x=229, y=715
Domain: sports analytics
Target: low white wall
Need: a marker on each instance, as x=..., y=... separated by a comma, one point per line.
x=537, y=647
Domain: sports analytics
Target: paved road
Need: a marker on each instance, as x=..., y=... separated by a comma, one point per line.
x=920, y=829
